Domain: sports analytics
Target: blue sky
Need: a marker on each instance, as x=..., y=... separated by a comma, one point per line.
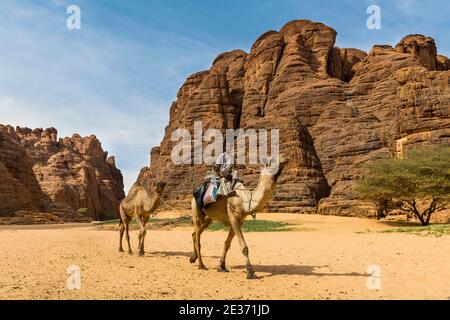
x=117, y=76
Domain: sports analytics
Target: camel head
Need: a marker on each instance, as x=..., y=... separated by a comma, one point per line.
x=274, y=165
x=159, y=188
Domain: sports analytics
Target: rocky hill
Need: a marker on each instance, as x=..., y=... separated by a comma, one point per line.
x=70, y=178
x=335, y=108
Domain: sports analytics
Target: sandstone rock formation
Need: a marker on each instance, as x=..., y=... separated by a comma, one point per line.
x=41, y=173
x=335, y=108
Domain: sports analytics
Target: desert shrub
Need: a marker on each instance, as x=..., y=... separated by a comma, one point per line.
x=420, y=174
x=82, y=210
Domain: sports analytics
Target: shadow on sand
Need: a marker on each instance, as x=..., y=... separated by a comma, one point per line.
x=400, y=224
x=178, y=253
x=272, y=270
x=292, y=269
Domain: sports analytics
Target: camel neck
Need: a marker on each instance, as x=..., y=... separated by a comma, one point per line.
x=154, y=202
x=261, y=194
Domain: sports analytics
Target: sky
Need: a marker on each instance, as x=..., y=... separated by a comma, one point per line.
x=117, y=76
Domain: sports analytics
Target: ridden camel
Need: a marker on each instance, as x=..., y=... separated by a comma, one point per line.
x=138, y=204
x=232, y=211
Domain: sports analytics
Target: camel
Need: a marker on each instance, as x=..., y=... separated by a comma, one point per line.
x=138, y=204
x=232, y=211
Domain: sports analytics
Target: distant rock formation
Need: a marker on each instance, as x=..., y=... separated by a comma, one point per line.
x=335, y=108
x=41, y=173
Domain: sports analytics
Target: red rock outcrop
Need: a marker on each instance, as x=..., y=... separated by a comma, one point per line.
x=335, y=108
x=41, y=173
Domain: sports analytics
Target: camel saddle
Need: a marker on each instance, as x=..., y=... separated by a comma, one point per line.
x=206, y=193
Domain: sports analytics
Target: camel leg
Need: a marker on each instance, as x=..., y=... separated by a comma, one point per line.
x=198, y=232
x=222, y=267
x=123, y=218
x=194, y=256
x=196, y=214
x=127, y=230
x=238, y=231
x=141, y=235
x=145, y=221
x=200, y=226
x=121, y=231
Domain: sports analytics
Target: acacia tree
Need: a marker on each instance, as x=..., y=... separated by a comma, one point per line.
x=421, y=174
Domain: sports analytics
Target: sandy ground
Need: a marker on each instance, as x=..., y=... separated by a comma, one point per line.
x=325, y=258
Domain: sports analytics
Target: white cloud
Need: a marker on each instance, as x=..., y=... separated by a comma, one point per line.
x=91, y=81
x=127, y=137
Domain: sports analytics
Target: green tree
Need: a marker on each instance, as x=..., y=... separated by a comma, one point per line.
x=420, y=174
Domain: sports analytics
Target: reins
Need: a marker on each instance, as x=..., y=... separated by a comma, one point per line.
x=170, y=207
x=253, y=214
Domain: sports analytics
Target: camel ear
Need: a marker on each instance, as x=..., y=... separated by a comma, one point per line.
x=160, y=185
x=269, y=161
x=265, y=161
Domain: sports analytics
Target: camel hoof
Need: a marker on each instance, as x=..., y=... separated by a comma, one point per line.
x=252, y=276
x=121, y=250
x=141, y=254
x=192, y=259
x=202, y=267
x=130, y=253
x=225, y=270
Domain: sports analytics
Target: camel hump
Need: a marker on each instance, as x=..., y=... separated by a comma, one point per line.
x=136, y=189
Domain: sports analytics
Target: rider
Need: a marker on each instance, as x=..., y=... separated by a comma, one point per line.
x=224, y=168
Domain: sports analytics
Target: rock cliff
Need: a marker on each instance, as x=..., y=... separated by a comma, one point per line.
x=335, y=108
x=66, y=176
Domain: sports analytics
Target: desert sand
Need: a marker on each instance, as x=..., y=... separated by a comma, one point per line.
x=325, y=257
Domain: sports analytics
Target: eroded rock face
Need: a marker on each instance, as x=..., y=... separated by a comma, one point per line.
x=19, y=188
x=335, y=108
x=41, y=173
x=421, y=47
